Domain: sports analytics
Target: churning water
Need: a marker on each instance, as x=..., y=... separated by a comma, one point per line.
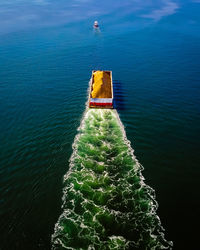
x=106, y=204
x=47, y=52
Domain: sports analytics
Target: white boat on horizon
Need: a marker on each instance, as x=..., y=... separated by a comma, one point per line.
x=96, y=24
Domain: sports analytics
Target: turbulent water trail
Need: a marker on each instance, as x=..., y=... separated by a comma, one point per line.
x=106, y=204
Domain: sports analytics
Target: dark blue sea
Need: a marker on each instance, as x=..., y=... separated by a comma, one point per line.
x=48, y=50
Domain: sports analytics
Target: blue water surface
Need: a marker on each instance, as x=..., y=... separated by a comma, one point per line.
x=48, y=49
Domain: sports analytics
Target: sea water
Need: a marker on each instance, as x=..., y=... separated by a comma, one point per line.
x=106, y=204
x=48, y=50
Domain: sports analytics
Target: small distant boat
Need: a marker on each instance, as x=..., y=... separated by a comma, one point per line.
x=96, y=25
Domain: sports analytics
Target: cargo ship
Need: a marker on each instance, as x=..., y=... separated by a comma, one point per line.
x=101, y=89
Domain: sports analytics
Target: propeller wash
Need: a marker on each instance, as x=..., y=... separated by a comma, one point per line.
x=106, y=204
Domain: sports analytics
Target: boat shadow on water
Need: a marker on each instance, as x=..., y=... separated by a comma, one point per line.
x=118, y=101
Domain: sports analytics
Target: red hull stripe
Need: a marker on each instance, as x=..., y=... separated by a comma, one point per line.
x=101, y=104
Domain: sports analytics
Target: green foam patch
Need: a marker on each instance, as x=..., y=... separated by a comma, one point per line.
x=106, y=204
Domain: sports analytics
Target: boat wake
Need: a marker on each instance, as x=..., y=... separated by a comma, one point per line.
x=106, y=204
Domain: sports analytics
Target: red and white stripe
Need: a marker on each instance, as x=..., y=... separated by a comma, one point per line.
x=101, y=101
